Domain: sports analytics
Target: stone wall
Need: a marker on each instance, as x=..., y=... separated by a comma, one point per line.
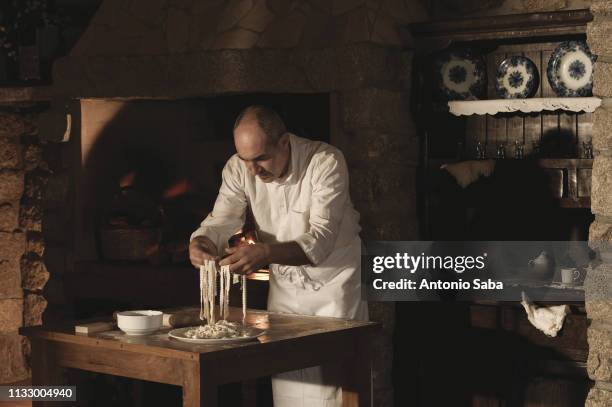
x=163, y=27
x=599, y=281
x=23, y=275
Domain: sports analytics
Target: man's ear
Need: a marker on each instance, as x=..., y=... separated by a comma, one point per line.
x=284, y=140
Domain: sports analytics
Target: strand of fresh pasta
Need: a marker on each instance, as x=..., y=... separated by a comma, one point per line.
x=212, y=290
x=221, y=295
x=203, y=303
x=244, y=297
x=208, y=291
x=227, y=283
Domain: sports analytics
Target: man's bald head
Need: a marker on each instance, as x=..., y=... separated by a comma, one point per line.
x=268, y=120
x=262, y=142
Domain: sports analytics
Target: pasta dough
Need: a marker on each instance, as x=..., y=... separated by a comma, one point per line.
x=209, y=274
x=222, y=329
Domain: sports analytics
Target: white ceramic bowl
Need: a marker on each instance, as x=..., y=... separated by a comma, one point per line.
x=143, y=322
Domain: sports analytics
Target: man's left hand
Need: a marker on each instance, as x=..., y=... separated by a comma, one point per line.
x=246, y=259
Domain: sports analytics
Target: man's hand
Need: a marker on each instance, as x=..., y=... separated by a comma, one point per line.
x=246, y=259
x=202, y=248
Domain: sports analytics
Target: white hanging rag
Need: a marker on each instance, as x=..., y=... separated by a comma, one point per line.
x=547, y=319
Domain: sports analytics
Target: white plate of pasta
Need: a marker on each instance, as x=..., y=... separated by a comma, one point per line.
x=221, y=332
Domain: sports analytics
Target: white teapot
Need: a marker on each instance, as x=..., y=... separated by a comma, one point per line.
x=543, y=265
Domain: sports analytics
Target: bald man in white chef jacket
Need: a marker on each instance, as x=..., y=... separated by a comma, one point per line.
x=298, y=192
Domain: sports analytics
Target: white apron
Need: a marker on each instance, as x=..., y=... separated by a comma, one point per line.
x=311, y=206
x=338, y=298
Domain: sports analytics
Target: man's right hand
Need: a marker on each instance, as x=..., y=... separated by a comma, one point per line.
x=202, y=248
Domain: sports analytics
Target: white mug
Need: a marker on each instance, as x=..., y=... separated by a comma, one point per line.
x=570, y=276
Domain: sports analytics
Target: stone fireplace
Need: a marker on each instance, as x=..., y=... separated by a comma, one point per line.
x=344, y=60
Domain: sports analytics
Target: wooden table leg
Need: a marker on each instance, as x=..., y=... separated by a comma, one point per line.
x=45, y=370
x=357, y=385
x=249, y=393
x=199, y=390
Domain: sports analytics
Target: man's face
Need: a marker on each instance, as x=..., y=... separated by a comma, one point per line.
x=263, y=159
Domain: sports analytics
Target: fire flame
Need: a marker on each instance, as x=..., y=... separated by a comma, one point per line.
x=127, y=180
x=177, y=189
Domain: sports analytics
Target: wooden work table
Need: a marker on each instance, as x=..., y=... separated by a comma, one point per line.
x=290, y=342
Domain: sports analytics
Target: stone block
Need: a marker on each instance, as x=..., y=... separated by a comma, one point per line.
x=11, y=185
x=599, y=363
x=34, y=307
x=343, y=6
x=13, y=247
x=285, y=32
x=13, y=244
x=35, y=243
x=601, y=186
x=10, y=276
x=30, y=217
x=10, y=153
x=11, y=315
x=15, y=125
x=599, y=309
x=12, y=354
x=357, y=28
x=34, y=274
x=598, y=398
x=9, y=216
x=234, y=11
x=602, y=85
x=281, y=8
x=323, y=31
x=32, y=156
x=600, y=234
x=598, y=37
x=257, y=18
x=598, y=283
x=601, y=8
x=386, y=30
x=602, y=125
x=237, y=38
x=378, y=109
x=35, y=182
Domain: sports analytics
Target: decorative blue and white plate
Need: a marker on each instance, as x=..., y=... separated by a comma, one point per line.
x=570, y=69
x=517, y=78
x=461, y=75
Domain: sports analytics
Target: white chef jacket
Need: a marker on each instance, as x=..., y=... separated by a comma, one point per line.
x=311, y=206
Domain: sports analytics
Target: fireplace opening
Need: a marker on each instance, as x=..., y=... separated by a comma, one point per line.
x=150, y=173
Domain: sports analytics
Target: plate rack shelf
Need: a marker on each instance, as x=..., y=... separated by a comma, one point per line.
x=531, y=105
x=451, y=131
